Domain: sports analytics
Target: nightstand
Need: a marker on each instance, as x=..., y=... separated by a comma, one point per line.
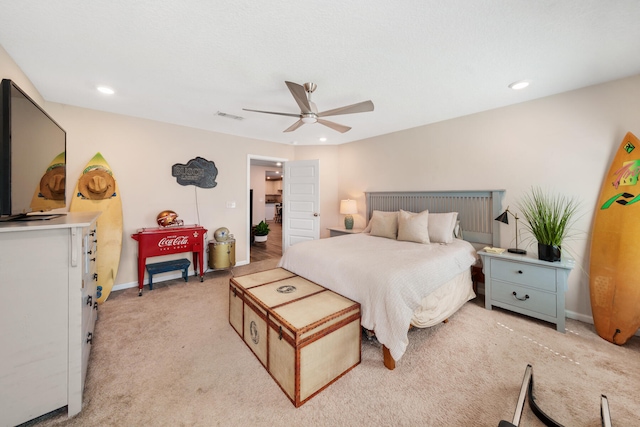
x=341, y=231
x=526, y=285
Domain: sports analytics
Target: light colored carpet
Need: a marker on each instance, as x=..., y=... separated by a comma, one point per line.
x=170, y=358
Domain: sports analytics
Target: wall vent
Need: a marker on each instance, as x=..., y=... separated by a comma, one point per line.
x=229, y=116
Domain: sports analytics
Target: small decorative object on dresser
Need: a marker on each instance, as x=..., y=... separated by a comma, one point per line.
x=526, y=285
x=348, y=208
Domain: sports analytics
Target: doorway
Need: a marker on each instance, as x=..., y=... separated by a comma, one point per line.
x=265, y=200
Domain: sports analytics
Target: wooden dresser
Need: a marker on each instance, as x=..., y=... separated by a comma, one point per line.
x=48, y=309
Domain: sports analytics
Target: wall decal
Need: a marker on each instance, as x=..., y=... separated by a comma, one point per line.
x=199, y=172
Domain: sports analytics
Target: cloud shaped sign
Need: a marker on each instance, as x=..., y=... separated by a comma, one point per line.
x=199, y=172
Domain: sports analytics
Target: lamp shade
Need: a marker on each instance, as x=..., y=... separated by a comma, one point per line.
x=348, y=207
x=503, y=217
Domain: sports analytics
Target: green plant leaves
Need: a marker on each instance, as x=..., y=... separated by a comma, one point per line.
x=547, y=216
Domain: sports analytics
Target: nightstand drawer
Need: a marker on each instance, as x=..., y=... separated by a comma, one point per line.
x=524, y=274
x=526, y=298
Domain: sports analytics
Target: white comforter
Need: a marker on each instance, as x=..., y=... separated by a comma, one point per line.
x=387, y=277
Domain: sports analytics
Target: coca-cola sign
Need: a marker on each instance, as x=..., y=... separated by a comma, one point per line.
x=173, y=242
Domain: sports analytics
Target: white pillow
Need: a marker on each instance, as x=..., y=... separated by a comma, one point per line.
x=384, y=224
x=413, y=227
x=441, y=226
x=457, y=231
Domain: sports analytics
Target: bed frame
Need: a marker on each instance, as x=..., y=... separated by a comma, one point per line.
x=477, y=210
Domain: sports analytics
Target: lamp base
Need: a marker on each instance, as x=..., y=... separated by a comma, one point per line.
x=348, y=222
x=517, y=251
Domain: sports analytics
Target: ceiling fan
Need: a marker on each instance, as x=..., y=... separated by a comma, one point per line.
x=309, y=111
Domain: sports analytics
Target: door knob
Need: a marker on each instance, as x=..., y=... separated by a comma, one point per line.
x=316, y=214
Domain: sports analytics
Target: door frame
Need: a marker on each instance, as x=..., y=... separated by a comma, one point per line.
x=248, y=214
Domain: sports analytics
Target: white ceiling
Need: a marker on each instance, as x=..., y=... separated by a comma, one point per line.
x=419, y=61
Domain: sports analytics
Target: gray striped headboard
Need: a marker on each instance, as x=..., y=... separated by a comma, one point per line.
x=476, y=209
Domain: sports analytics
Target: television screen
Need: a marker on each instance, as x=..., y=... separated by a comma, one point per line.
x=32, y=155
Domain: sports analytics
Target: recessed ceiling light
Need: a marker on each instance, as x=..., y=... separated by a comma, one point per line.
x=278, y=164
x=106, y=90
x=323, y=139
x=521, y=84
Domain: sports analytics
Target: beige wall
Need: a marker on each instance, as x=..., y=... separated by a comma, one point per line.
x=10, y=70
x=562, y=143
x=141, y=153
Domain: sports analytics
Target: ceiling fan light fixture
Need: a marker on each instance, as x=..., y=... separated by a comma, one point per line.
x=309, y=118
x=309, y=112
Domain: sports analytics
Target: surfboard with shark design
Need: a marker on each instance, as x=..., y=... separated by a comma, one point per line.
x=615, y=248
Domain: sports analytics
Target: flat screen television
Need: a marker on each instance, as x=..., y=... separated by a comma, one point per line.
x=32, y=156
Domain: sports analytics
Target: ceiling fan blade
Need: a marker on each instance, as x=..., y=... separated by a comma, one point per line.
x=335, y=126
x=294, y=126
x=273, y=112
x=300, y=95
x=360, y=107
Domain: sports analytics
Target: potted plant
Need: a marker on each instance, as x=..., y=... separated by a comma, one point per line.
x=549, y=218
x=261, y=231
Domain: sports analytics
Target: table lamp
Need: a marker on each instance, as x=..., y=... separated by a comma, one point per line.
x=504, y=218
x=348, y=207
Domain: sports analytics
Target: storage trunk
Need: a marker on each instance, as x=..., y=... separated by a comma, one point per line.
x=306, y=336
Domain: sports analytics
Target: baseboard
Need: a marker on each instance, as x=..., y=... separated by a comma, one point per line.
x=163, y=277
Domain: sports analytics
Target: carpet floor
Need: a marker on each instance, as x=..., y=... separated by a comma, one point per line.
x=170, y=358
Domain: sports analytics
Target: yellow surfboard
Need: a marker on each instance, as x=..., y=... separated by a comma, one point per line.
x=49, y=192
x=615, y=248
x=97, y=190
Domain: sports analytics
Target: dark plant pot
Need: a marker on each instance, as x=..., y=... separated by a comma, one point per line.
x=548, y=252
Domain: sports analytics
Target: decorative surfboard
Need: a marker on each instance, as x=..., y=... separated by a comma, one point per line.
x=615, y=248
x=49, y=193
x=97, y=190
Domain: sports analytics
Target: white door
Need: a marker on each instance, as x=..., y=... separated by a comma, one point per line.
x=301, y=204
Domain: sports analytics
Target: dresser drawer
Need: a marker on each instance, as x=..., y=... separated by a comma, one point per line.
x=525, y=298
x=524, y=274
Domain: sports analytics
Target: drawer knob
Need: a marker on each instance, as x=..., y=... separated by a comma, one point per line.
x=515, y=295
x=89, y=300
x=520, y=272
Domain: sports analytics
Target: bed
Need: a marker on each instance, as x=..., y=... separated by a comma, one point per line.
x=398, y=278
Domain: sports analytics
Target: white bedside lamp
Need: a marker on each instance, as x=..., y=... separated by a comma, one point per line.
x=348, y=207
